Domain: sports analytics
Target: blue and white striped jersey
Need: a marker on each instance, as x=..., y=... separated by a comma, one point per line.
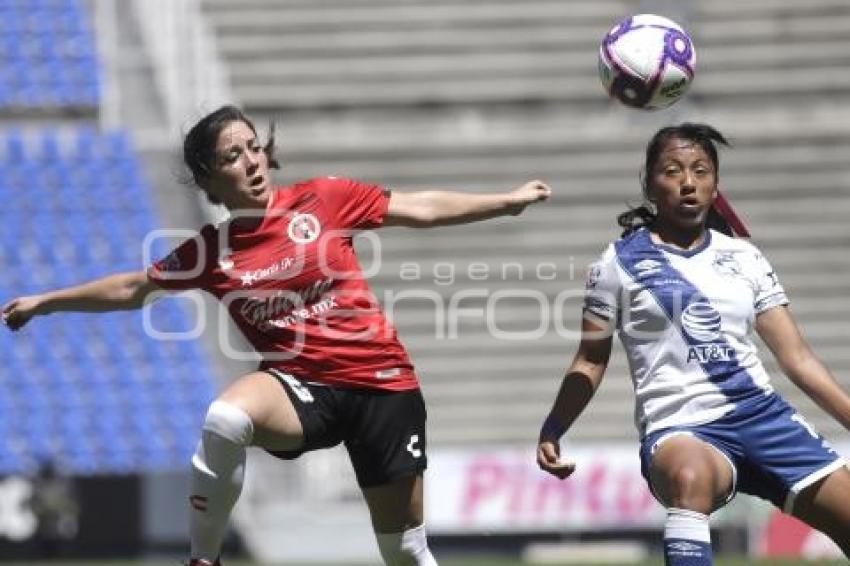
x=685, y=318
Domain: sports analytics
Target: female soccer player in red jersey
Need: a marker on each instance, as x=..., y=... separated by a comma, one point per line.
x=333, y=369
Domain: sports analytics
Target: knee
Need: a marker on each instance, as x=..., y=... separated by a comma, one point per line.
x=685, y=479
x=686, y=487
x=229, y=421
x=409, y=548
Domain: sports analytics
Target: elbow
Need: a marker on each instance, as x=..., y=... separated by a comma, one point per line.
x=133, y=290
x=425, y=215
x=429, y=209
x=805, y=372
x=426, y=219
x=422, y=217
x=797, y=361
x=416, y=210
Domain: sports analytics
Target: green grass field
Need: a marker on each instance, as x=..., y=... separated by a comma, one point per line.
x=479, y=561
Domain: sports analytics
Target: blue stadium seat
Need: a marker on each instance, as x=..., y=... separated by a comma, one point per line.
x=47, y=56
x=92, y=393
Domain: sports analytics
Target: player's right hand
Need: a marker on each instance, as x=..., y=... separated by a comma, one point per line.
x=528, y=193
x=17, y=312
x=549, y=460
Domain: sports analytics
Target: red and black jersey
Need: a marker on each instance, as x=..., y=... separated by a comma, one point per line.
x=293, y=285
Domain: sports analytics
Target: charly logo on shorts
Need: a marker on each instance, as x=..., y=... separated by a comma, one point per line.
x=303, y=228
x=701, y=321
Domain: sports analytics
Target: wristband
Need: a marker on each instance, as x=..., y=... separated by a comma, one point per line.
x=552, y=429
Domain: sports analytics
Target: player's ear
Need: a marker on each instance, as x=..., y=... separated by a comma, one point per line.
x=210, y=189
x=648, y=193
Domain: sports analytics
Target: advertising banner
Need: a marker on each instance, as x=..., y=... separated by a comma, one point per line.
x=502, y=490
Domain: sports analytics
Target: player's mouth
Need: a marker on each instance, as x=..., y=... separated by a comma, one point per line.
x=258, y=185
x=690, y=205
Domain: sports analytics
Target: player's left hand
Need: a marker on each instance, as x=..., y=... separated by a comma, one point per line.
x=528, y=193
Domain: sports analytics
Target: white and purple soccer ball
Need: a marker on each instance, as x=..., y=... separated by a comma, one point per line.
x=647, y=61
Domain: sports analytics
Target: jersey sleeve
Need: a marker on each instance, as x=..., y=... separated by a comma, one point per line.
x=603, y=287
x=187, y=266
x=769, y=292
x=355, y=205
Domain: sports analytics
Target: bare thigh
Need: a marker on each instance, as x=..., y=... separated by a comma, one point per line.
x=397, y=506
x=825, y=505
x=261, y=396
x=690, y=474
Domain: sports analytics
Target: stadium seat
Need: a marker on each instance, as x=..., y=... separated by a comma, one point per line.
x=47, y=56
x=92, y=393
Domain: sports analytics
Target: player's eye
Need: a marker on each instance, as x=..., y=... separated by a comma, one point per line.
x=231, y=156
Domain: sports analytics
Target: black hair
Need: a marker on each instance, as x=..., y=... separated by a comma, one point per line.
x=703, y=135
x=200, y=143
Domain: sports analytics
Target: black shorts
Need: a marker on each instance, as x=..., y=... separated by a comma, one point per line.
x=383, y=431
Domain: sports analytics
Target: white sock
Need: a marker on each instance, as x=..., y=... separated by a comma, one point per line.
x=409, y=548
x=218, y=469
x=687, y=538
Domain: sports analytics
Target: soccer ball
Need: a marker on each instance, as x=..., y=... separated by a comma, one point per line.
x=647, y=61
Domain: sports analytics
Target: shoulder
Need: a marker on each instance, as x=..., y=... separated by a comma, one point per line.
x=739, y=245
x=726, y=241
x=723, y=240
x=326, y=183
x=603, y=267
x=333, y=191
x=204, y=237
x=206, y=241
x=609, y=254
x=633, y=240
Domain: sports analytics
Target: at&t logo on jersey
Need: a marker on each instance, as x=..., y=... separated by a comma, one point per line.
x=702, y=323
x=716, y=352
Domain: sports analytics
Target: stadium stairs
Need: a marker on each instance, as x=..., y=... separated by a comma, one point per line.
x=482, y=95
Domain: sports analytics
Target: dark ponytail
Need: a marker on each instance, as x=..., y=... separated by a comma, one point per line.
x=635, y=218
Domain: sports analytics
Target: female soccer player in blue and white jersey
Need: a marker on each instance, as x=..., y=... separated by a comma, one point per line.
x=683, y=297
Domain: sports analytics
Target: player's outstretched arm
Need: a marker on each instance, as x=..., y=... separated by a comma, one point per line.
x=779, y=331
x=425, y=209
x=578, y=387
x=121, y=291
